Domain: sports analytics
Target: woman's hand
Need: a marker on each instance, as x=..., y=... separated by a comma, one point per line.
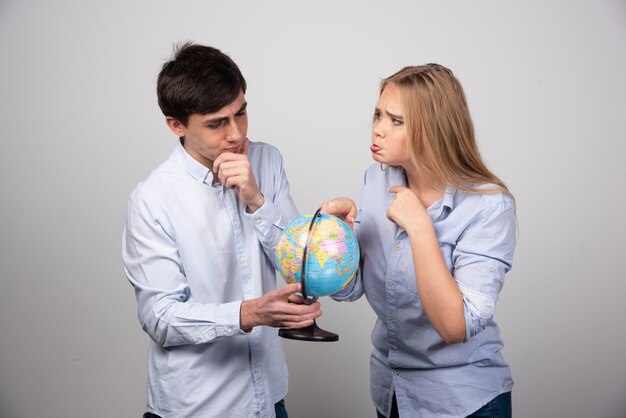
x=407, y=211
x=342, y=207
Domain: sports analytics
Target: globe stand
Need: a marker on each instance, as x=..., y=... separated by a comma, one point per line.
x=312, y=332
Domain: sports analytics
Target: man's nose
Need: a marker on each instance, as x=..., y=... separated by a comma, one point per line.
x=234, y=131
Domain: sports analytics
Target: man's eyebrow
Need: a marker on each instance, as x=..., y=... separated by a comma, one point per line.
x=242, y=108
x=224, y=118
x=218, y=119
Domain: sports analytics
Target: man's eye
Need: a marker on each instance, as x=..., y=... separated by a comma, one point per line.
x=215, y=125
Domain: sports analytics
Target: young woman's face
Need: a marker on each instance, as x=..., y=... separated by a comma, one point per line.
x=389, y=136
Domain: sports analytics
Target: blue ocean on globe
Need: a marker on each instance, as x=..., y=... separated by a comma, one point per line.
x=332, y=257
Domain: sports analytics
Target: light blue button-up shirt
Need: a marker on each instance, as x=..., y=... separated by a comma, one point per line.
x=476, y=234
x=193, y=253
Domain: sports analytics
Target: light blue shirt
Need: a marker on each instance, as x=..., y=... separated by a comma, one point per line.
x=476, y=234
x=193, y=253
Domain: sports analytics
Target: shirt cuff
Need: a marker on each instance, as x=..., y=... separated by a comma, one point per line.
x=265, y=217
x=345, y=293
x=227, y=319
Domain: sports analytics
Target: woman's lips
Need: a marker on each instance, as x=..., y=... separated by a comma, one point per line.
x=375, y=148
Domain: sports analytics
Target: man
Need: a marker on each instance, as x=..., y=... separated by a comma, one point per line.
x=198, y=248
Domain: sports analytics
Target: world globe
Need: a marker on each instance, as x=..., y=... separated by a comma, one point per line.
x=332, y=254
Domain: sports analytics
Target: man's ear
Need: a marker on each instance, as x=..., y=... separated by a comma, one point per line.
x=175, y=125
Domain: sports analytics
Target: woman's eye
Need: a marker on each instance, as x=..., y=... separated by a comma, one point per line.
x=376, y=115
x=397, y=122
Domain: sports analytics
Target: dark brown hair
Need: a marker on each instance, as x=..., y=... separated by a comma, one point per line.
x=198, y=79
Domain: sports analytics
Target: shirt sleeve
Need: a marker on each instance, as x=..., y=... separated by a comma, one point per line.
x=482, y=257
x=353, y=291
x=278, y=209
x=153, y=266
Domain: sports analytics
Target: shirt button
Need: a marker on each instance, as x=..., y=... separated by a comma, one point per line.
x=229, y=331
x=397, y=247
x=236, y=222
x=247, y=297
x=490, y=268
x=396, y=371
x=258, y=222
x=389, y=282
x=391, y=317
x=242, y=259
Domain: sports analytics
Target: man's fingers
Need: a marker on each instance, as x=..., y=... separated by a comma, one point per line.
x=290, y=289
x=244, y=148
x=300, y=320
x=292, y=310
x=301, y=324
x=227, y=157
x=295, y=298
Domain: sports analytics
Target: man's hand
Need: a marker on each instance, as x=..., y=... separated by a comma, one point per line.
x=234, y=172
x=279, y=308
x=342, y=207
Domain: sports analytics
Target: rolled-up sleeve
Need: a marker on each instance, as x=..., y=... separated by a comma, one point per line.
x=482, y=257
x=152, y=265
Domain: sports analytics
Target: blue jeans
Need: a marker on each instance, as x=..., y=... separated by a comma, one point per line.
x=279, y=407
x=281, y=411
x=498, y=407
x=394, y=409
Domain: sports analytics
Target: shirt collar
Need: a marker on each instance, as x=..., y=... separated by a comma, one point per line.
x=448, y=197
x=193, y=167
x=398, y=176
x=443, y=206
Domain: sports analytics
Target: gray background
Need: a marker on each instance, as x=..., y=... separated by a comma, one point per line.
x=80, y=127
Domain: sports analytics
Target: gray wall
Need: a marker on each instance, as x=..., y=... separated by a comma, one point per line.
x=546, y=83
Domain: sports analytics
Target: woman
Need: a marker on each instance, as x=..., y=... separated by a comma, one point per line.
x=437, y=234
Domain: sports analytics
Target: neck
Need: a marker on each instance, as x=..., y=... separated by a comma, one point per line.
x=426, y=186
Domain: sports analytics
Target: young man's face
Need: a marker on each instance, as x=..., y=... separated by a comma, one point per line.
x=208, y=135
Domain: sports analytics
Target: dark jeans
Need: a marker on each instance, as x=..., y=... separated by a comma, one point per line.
x=498, y=407
x=394, y=409
x=279, y=407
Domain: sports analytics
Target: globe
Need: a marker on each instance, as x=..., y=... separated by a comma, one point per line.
x=332, y=257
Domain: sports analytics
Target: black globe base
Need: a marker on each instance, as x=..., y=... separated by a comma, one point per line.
x=310, y=333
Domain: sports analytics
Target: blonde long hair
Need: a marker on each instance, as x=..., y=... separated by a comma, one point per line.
x=439, y=127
